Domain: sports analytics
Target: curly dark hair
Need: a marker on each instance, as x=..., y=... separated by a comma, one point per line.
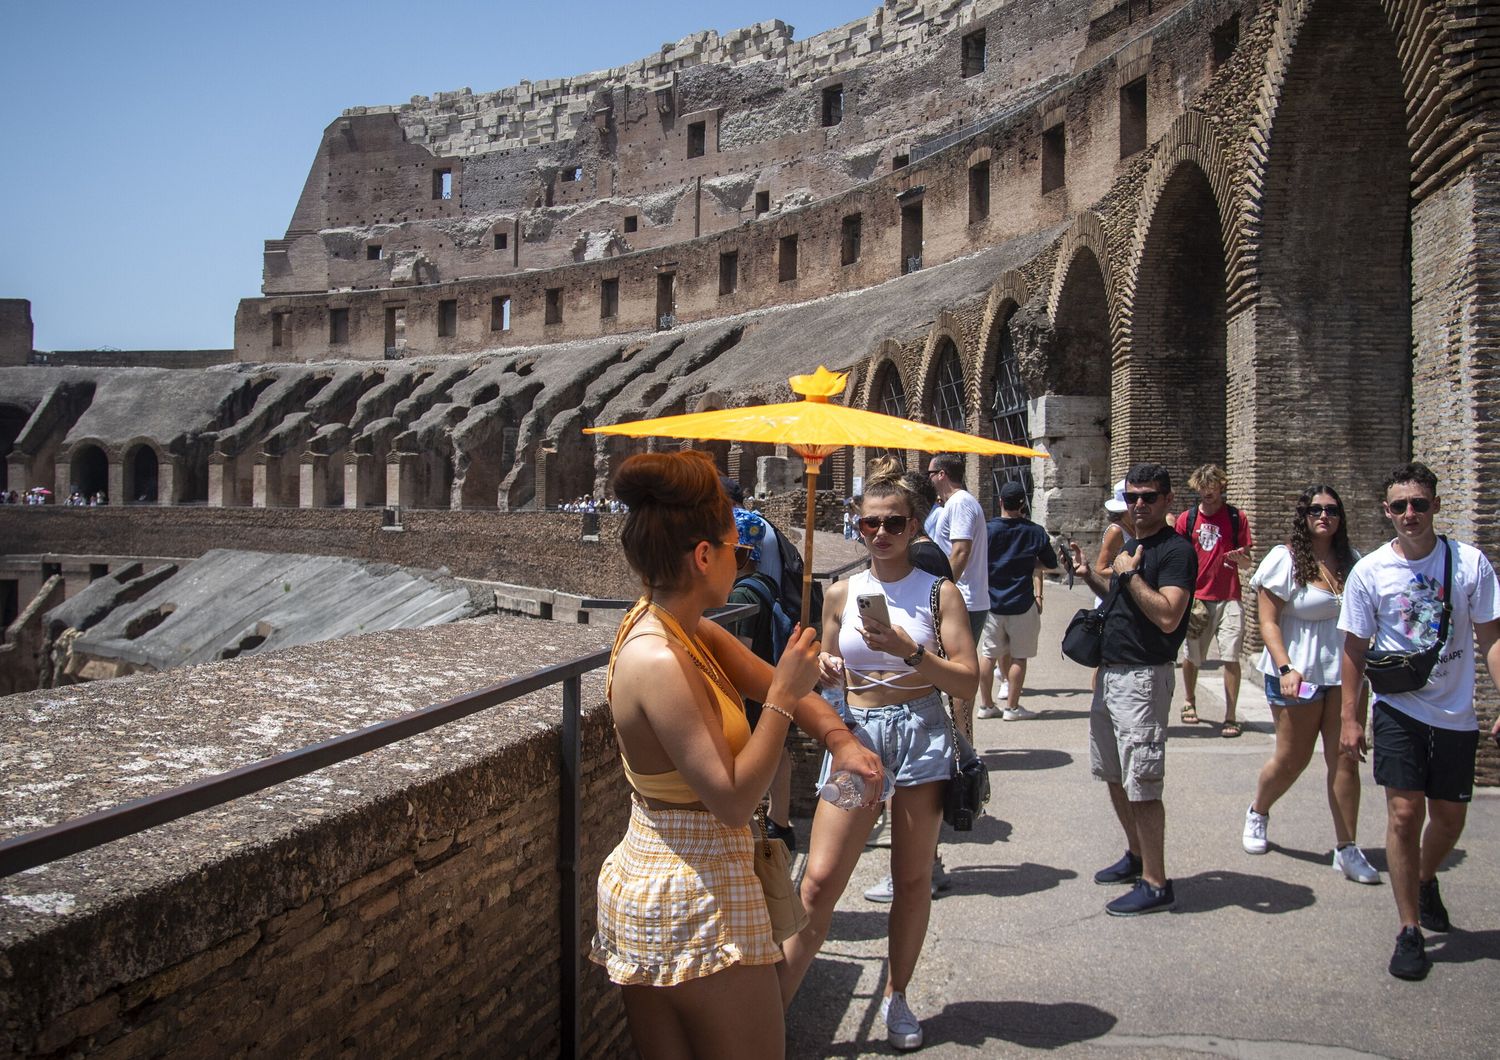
x=1304, y=562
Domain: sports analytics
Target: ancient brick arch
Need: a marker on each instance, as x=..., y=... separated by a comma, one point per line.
x=1003, y=394
x=1086, y=234
x=1331, y=250
x=88, y=469
x=887, y=390
x=1171, y=379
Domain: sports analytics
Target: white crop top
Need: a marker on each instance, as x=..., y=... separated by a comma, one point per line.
x=910, y=604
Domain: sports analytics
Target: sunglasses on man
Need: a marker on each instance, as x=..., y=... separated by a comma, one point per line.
x=1418, y=504
x=1144, y=497
x=869, y=525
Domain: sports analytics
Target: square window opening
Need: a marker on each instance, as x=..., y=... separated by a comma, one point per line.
x=338, y=326
x=851, y=235
x=911, y=237
x=609, y=298
x=447, y=318
x=901, y=161
x=572, y=175
x=374, y=252
x=1054, y=158
x=554, y=306
x=786, y=259
x=632, y=222
x=729, y=272
x=502, y=240
x=278, y=329
x=762, y=202
x=1225, y=38
x=973, y=54
x=979, y=192
x=500, y=312
x=697, y=139
x=833, y=105
x=395, y=329
x=1133, y=117
x=442, y=183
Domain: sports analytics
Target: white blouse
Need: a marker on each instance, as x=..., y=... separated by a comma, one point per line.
x=1309, y=621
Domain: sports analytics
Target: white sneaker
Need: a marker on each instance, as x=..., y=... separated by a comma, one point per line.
x=1019, y=714
x=1351, y=861
x=1254, y=838
x=902, y=1029
x=1003, y=692
x=989, y=712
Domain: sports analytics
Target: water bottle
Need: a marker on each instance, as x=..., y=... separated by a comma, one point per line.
x=843, y=789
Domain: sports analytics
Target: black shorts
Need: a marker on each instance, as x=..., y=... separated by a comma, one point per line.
x=1414, y=756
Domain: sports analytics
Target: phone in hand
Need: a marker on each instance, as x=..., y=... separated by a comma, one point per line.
x=872, y=605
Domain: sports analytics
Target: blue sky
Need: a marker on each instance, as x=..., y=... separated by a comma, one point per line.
x=152, y=147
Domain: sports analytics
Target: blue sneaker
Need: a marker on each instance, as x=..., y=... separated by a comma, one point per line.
x=1142, y=899
x=1126, y=870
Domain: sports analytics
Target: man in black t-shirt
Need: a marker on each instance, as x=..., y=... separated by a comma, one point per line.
x=1146, y=594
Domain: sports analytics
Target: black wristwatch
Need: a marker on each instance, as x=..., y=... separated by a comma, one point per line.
x=915, y=657
x=1127, y=573
x=1285, y=669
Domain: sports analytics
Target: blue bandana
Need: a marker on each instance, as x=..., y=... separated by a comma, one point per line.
x=752, y=529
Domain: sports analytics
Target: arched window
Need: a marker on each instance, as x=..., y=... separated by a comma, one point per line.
x=890, y=398
x=1007, y=414
x=948, y=390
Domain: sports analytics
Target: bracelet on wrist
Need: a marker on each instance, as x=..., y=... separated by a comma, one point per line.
x=779, y=710
x=837, y=728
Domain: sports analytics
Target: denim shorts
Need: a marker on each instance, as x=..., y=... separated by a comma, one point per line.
x=914, y=740
x=1276, y=699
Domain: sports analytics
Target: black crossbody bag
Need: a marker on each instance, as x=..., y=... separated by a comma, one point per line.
x=1391, y=672
x=1083, y=642
x=969, y=787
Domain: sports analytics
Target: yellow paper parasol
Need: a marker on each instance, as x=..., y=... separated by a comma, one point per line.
x=813, y=429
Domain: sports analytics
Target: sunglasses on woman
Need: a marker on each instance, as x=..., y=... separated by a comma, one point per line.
x=1333, y=511
x=869, y=525
x=1418, y=504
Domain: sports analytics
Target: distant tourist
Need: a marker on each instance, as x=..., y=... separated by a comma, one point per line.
x=1301, y=587
x=1404, y=595
x=682, y=920
x=1017, y=548
x=1221, y=535
x=958, y=528
x=1150, y=588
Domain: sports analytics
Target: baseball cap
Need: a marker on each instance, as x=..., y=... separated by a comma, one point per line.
x=1012, y=495
x=1116, y=504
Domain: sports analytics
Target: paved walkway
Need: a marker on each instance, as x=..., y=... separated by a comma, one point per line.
x=1272, y=956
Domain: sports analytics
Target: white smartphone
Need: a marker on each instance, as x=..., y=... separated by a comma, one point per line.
x=872, y=605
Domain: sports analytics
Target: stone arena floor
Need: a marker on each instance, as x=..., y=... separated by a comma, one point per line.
x=1272, y=956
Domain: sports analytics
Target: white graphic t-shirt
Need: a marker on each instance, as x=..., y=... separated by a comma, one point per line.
x=962, y=519
x=1400, y=604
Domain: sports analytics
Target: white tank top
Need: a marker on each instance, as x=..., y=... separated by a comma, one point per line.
x=910, y=604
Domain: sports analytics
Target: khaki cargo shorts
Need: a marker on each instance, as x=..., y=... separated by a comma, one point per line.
x=1225, y=626
x=1128, y=728
x=1013, y=635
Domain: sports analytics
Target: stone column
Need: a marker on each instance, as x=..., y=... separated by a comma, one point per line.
x=116, y=484
x=261, y=495
x=1071, y=487
x=221, y=492
x=166, y=483
x=313, y=482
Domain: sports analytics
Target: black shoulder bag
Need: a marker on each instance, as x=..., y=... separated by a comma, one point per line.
x=1391, y=672
x=1083, y=642
x=969, y=787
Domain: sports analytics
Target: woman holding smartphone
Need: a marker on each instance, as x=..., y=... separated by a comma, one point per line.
x=884, y=654
x=682, y=919
x=1300, y=587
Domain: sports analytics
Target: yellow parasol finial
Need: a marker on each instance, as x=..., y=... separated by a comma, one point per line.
x=821, y=385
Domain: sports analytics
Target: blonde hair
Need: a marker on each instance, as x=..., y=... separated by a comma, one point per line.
x=1208, y=475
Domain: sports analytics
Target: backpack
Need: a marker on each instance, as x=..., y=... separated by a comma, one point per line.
x=791, y=581
x=780, y=625
x=1234, y=525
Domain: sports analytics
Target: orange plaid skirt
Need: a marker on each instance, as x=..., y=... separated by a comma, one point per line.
x=679, y=900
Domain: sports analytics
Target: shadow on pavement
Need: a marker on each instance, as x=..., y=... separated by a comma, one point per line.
x=1219, y=889
x=859, y=926
x=1022, y=759
x=813, y=1020
x=1008, y=881
x=1026, y=1023
x=1375, y=855
x=1027, y=692
x=1461, y=947
x=987, y=829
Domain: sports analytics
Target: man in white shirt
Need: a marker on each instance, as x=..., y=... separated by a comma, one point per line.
x=1425, y=739
x=958, y=527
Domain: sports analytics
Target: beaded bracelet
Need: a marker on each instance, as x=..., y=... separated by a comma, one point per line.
x=779, y=710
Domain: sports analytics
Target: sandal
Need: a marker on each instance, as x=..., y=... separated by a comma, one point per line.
x=1229, y=730
x=1190, y=715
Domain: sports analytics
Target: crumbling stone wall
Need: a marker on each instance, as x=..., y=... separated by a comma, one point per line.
x=405, y=903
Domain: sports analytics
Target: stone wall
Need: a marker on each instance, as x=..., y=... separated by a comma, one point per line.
x=405, y=903
x=525, y=548
x=16, y=334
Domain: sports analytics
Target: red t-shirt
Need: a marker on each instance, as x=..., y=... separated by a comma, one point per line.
x=1218, y=578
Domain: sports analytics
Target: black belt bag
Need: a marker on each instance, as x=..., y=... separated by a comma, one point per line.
x=1391, y=672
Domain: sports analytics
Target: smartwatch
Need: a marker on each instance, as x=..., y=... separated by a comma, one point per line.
x=915, y=658
x=1285, y=669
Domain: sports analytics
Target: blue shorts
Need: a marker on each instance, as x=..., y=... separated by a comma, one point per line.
x=914, y=741
x=1276, y=699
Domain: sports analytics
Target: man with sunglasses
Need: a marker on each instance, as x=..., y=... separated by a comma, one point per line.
x=1147, y=594
x=1426, y=739
x=957, y=525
